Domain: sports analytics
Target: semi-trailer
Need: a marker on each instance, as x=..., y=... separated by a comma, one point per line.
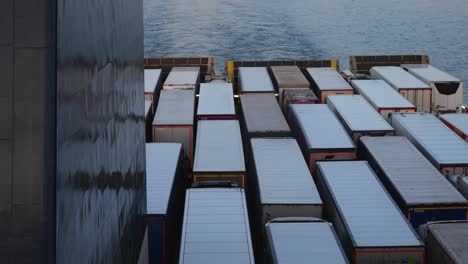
x=445, y=149
x=413, y=89
x=288, y=78
x=216, y=101
x=255, y=80
x=369, y=224
x=219, y=153
x=297, y=97
x=165, y=193
x=152, y=86
x=458, y=123
x=182, y=78
x=383, y=97
x=359, y=117
x=447, y=91
x=326, y=81
x=320, y=134
x=173, y=121
x=417, y=187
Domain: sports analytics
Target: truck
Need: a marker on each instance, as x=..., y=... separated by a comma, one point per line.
x=413, y=89
x=297, y=97
x=288, y=78
x=447, y=91
x=165, y=195
x=216, y=101
x=219, y=154
x=369, y=224
x=298, y=240
x=359, y=117
x=383, y=97
x=173, y=121
x=216, y=227
x=326, y=81
x=182, y=78
x=152, y=86
x=445, y=149
x=320, y=134
x=417, y=187
x=457, y=122
x=255, y=80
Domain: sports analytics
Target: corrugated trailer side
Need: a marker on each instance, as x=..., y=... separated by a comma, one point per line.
x=297, y=97
x=370, y=226
x=458, y=123
x=165, y=197
x=216, y=101
x=255, y=80
x=327, y=81
x=419, y=189
x=288, y=78
x=183, y=78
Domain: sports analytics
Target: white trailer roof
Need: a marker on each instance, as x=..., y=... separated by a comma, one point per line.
x=216, y=227
x=255, y=79
x=262, y=113
x=321, y=128
x=370, y=216
x=434, y=139
x=289, y=77
x=216, y=99
x=397, y=77
x=415, y=179
x=459, y=121
x=162, y=160
x=219, y=147
x=175, y=107
x=381, y=95
x=182, y=77
x=282, y=173
x=357, y=114
x=151, y=79
x=328, y=79
x=147, y=108
x=299, y=243
x=429, y=73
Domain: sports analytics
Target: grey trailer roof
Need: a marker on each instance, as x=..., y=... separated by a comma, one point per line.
x=433, y=138
x=429, y=73
x=162, y=160
x=328, y=79
x=175, y=107
x=381, y=95
x=397, y=77
x=182, y=77
x=216, y=227
x=282, y=173
x=151, y=79
x=299, y=243
x=410, y=173
x=453, y=238
x=216, y=99
x=255, y=79
x=219, y=147
x=320, y=127
x=367, y=210
x=147, y=108
x=357, y=114
x=289, y=77
x=262, y=113
x=459, y=121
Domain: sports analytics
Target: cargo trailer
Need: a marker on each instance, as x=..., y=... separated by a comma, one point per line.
x=255, y=80
x=152, y=86
x=326, y=81
x=182, y=78
x=320, y=134
x=288, y=78
x=417, y=187
x=148, y=120
x=445, y=149
x=446, y=242
x=383, y=97
x=413, y=89
x=297, y=97
x=369, y=224
x=447, y=91
x=165, y=193
x=304, y=240
x=458, y=123
x=173, y=121
x=219, y=153
x=359, y=117
x=216, y=227
x=216, y=101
